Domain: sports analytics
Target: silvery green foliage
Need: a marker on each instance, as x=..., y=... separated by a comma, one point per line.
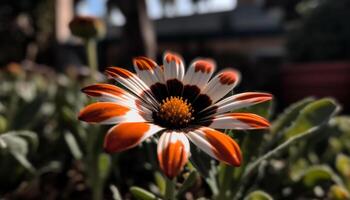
x=18, y=144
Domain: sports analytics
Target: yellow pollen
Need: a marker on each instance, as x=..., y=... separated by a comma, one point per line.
x=175, y=111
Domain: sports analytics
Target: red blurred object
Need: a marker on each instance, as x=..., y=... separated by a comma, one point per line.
x=319, y=79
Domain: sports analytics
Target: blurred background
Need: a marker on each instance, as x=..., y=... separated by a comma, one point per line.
x=290, y=48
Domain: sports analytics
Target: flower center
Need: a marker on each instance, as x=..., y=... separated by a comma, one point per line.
x=175, y=112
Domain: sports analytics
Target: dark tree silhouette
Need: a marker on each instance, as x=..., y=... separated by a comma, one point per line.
x=139, y=37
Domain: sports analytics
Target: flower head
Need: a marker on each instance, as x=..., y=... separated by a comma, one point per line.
x=177, y=106
x=87, y=27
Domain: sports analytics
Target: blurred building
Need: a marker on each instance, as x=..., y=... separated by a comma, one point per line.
x=249, y=29
x=249, y=37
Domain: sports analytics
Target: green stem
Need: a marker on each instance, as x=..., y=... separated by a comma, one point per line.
x=170, y=189
x=91, y=54
x=92, y=163
x=225, y=182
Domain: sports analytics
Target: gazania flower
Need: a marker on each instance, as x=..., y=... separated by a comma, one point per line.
x=177, y=106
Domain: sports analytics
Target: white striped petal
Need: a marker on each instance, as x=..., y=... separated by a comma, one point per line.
x=134, y=84
x=217, y=145
x=148, y=71
x=111, y=113
x=127, y=135
x=111, y=93
x=221, y=84
x=173, y=66
x=238, y=101
x=238, y=121
x=173, y=151
x=199, y=73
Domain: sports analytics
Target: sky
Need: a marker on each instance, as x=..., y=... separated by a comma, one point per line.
x=154, y=7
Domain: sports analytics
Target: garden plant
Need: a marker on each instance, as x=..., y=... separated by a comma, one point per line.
x=44, y=147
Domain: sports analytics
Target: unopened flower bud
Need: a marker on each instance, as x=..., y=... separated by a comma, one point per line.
x=87, y=27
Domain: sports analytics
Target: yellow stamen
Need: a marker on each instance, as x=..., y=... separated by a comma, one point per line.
x=175, y=111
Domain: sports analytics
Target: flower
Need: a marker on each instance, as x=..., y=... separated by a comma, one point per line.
x=87, y=27
x=178, y=106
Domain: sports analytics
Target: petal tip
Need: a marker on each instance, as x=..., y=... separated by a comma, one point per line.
x=266, y=97
x=108, y=147
x=89, y=90
x=144, y=63
x=172, y=57
x=82, y=115
x=233, y=162
x=229, y=77
x=172, y=153
x=125, y=136
x=204, y=65
x=116, y=72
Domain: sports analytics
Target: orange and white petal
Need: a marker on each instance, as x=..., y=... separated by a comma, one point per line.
x=132, y=83
x=173, y=66
x=128, y=135
x=112, y=93
x=174, y=71
x=238, y=101
x=173, y=152
x=238, y=121
x=109, y=113
x=148, y=70
x=221, y=84
x=199, y=73
x=217, y=144
x=105, y=92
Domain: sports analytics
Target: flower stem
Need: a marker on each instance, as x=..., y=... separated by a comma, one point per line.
x=225, y=182
x=170, y=189
x=91, y=55
x=92, y=163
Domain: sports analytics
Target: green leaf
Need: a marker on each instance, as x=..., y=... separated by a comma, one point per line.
x=73, y=145
x=343, y=123
x=342, y=164
x=20, y=141
x=318, y=174
x=258, y=195
x=188, y=183
x=24, y=162
x=3, y=144
x=297, y=169
x=285, y=119
x=30, y=137
x=314, y=114
x=52, y=166
x=142, y=194
x=160, y=181
x=115, y=192
x=14, y=144
x=3, y=124
x=311, y=118
x=17, y=147
x=338, y=192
